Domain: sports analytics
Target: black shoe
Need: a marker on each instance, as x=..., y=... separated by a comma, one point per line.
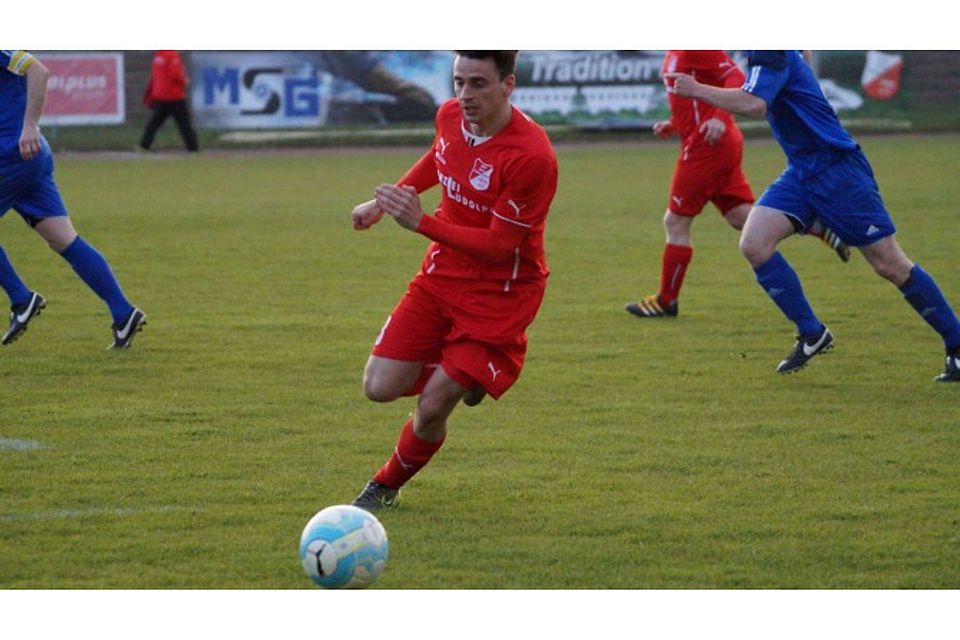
x=952, y=371
x=833, y=241
x=651, y=307
x=376, y=496
x=806, y=348
x=474, y=396
x=20, y=316
x=124, y=332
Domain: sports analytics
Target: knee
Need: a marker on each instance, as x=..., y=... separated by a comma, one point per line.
x=379, y=389
x=677, y=228
x=57, y=245
x=756, y=250
x=57, y=232
x=895, y=271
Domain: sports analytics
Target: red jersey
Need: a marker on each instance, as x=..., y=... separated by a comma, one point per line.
x=168, y=80
x=496, y=189
x=714, y=68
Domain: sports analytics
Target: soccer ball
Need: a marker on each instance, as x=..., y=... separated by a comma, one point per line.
x=344, y=547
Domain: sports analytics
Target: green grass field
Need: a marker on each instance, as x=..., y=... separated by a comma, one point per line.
x=631, y=454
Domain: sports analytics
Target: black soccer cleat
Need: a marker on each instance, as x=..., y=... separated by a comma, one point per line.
x=124, y=332
x=376, y=496
x=806, y=348
x=833, y=241
x=651, y=307
x=20, y=316
x=951, y=372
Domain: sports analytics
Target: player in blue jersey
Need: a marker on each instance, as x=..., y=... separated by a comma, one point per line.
x=27, y=186
x=827, y=176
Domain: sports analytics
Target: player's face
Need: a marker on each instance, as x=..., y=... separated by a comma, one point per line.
x=483, y=96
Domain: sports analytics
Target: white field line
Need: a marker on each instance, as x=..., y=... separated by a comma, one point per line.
x=14, y=444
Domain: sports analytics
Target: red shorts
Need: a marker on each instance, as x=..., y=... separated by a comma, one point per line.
x=709, y=175
x=476, y=333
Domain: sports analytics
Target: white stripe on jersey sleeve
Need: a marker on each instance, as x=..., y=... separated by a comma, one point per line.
x=751, y=82
x=516, y=222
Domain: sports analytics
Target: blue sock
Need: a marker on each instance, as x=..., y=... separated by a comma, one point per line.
x=781, y=283
x=94, y=270
x=11, y=282
x=925, y=296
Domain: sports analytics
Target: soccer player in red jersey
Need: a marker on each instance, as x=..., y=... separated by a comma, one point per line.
x=459, y=330
x=707, y=170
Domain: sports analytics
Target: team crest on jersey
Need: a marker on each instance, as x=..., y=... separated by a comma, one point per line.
x=480, y=175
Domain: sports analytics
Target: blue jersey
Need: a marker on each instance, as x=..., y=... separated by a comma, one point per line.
x=13, y=99
x=802, y=120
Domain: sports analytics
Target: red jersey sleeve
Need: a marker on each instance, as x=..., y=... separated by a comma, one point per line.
x=492, y=244
x=733, y=76
x=529, y=191
x=423, y=174
x=715, y=68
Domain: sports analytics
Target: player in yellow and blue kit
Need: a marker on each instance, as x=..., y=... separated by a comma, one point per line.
x=829, y=177
x=28, y=187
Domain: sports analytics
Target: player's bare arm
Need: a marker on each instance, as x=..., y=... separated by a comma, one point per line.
x=37, y=75
x=401, y=203
x=729, y=99
x=366, y=214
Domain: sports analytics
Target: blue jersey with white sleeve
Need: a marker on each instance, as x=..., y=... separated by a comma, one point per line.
x=13, y=99
x=802, y=120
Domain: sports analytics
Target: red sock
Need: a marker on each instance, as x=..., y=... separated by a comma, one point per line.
x=411, y=455
x=675, y=261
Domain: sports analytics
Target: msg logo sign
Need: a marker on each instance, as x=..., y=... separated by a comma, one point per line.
x=257, y=90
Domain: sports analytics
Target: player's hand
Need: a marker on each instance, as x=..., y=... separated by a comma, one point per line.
x=402, y=203
x=713, y=130
x=366, y=215
x=683, y=85
x=30, y=141
x=663, y=129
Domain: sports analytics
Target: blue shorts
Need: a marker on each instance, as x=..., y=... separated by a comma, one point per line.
x=28, y=187
x=844, y=197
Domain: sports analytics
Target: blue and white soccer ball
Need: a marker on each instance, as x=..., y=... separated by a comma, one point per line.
x=344, y=547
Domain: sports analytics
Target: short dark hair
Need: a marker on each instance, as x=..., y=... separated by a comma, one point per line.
x=505, y=61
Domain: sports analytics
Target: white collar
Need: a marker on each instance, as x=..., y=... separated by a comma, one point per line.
x=472, y=139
